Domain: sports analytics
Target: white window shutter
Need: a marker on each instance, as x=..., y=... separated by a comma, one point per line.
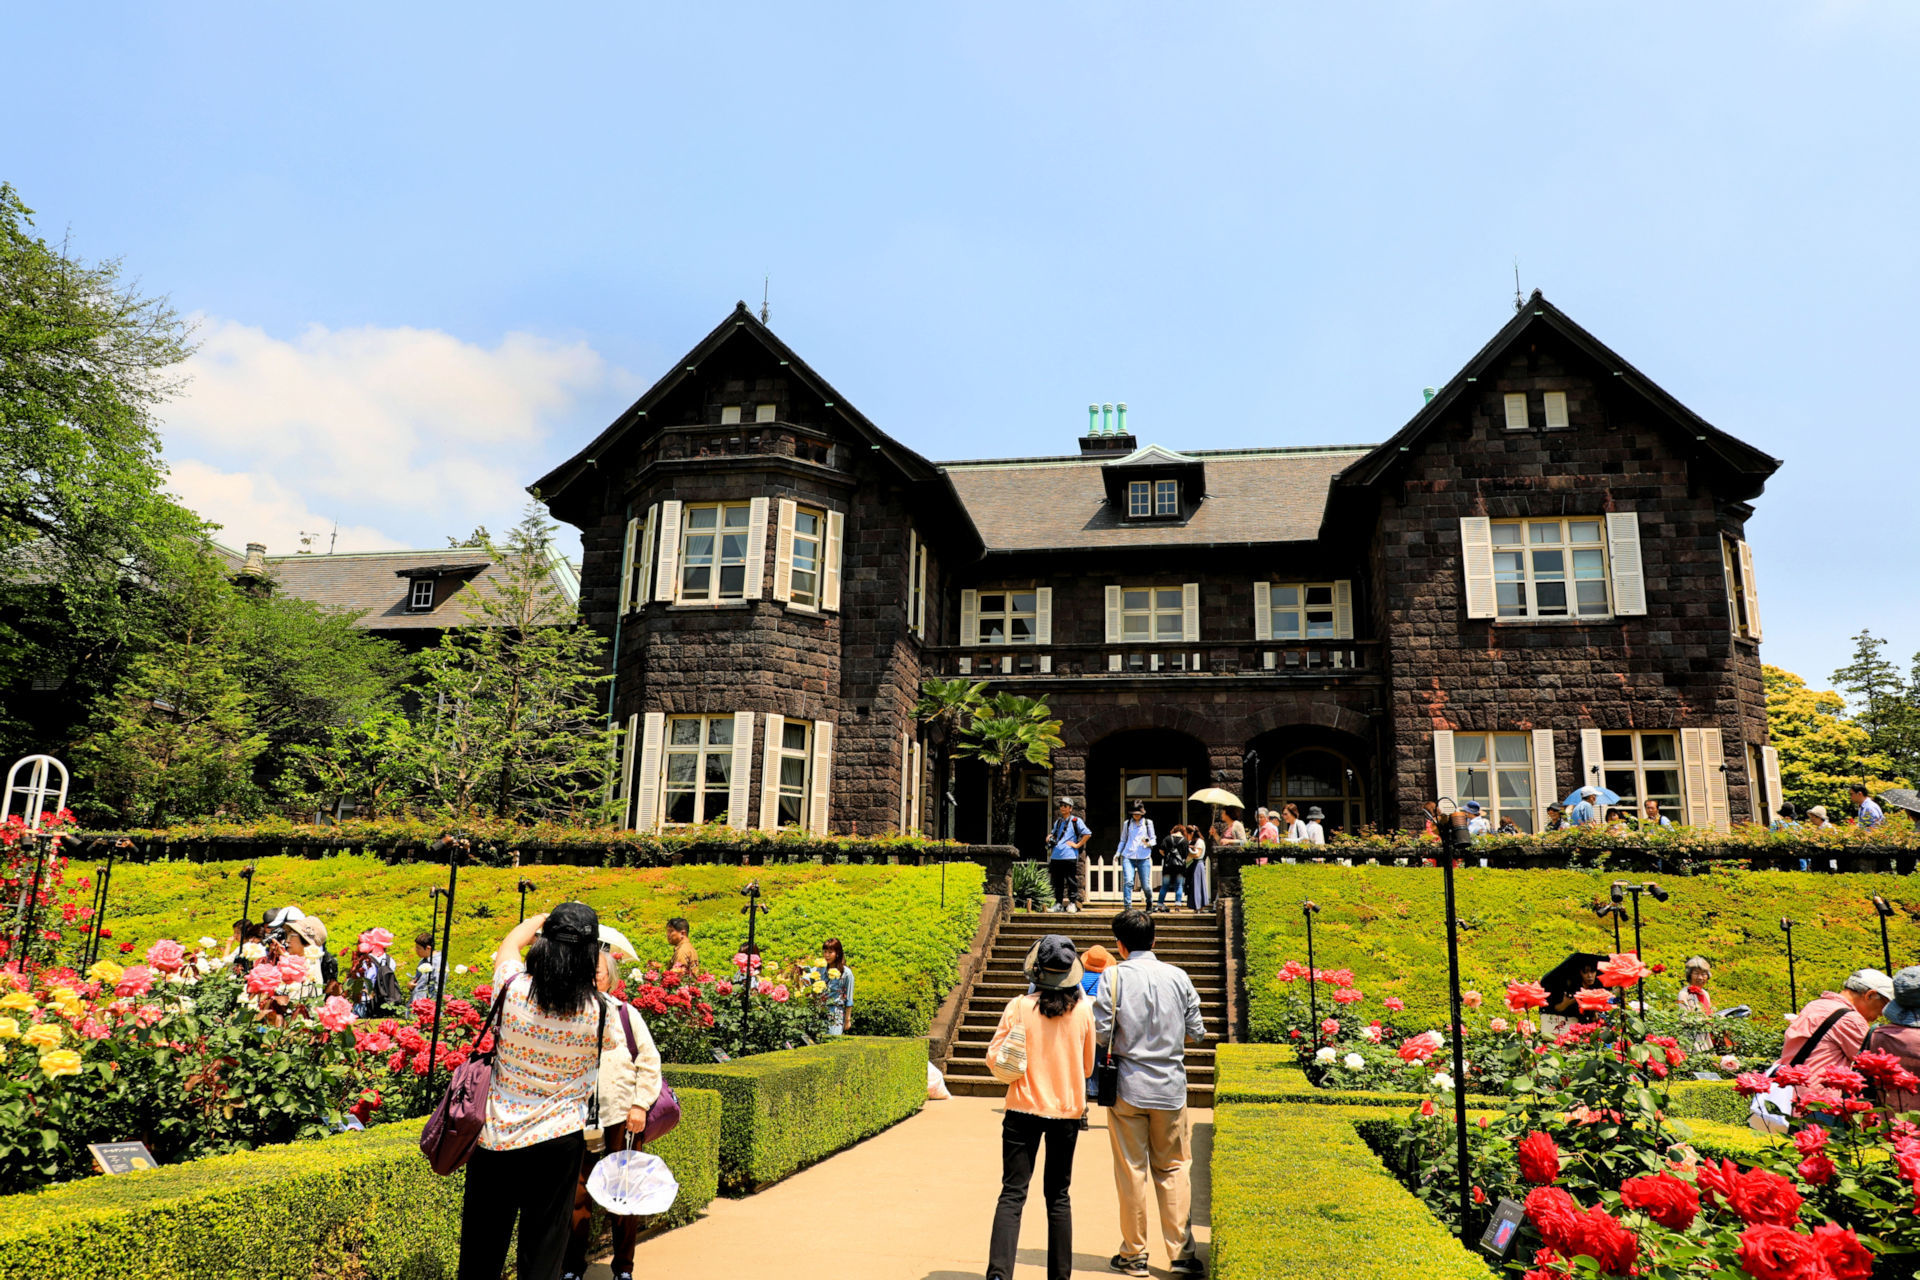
x=970, y=617
x=821, y=776
x=1749, y=590
x=1113, y=615
x=1592, y=769
x=920, y=602
x=627, y=750
x=1516, y=411
x=1444, y=778
x=756, y=546
x=654, y=730
x=666, y=587
x=1043, y=615
x=1556, y=406
x=626, y=566
x=1263, y=611
x=643, y=584
x=742, y=771
x=1343, y=609
x=770, y=774
x=1476, y=559
x=1623, y=559
x=906, y=781
x=1713, y=758
x=1770, y=761
x=1113, y=662
x=783, y=553
x=1190, y=611
x=836, y=537
x=918, y=783
x=1693, y=778
x=1546, y=783
x=913, y=567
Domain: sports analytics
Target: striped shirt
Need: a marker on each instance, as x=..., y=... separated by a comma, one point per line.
x=544, y=1069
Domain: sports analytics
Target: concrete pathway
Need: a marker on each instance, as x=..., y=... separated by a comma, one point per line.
x=914, y=1203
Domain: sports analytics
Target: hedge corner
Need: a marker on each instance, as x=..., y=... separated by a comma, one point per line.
x=783, y=1111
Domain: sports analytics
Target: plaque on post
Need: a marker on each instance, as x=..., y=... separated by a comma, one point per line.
x=1500, y=1233
x=122, y=1157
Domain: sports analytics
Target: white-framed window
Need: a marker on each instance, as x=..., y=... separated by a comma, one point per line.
x=713, y=551
x=1743, y=604
x=1166, y=497
x=421, y=597
x=1556, y=406
x=809, y=534
x=1303, y=611
x=1497, y=770
x=765, y=412
x=792, y=760
x=1139, y=498
x=1640, y=766
x=1516, y=407
x=1008, y=617
x=730, y=415
x=1152, y=498
x=1151, y=614
x=916, y=585
x=1550, y=568
x=699, y=768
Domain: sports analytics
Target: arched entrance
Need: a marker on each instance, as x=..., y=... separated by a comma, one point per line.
x=1314, y=767
x=1159, y=768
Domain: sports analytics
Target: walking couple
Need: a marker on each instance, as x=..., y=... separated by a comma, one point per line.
x=1143, y=1012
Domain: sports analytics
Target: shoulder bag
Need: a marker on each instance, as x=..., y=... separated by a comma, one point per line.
x=1106, y=1075
x=1771, y=1111
x=1008, y=1063
x=453, y=1130
x=664, y=1114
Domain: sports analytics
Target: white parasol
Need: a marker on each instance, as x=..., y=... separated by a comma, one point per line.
x=615, y=941
x=1217, y=795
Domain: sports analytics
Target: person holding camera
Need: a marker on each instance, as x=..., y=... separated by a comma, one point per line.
x=1064, y=844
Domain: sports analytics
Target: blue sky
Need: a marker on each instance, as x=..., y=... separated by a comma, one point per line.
x=433, y=249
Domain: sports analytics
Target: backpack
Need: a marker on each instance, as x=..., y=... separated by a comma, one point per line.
x=329, y=967
x=385, y=991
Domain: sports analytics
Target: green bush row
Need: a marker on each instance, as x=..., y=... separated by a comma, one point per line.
x=1268, y=1073
x=356, y=1206
x=783, y=1111
x=1386, y=925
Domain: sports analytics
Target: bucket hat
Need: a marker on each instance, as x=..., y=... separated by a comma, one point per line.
x=1905, y=1008
x=1314, y=814
x=1052, y=963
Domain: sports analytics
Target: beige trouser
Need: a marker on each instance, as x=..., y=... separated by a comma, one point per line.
x=1152, y=1160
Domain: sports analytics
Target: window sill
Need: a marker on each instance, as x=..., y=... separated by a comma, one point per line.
x=1594, y=621
x=702, y=606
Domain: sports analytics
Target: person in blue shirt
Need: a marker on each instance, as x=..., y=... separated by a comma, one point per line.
x=1584, y=813
x=1868, y=813
x=1135, y=852
x=1654, y=817
x=1068, y=837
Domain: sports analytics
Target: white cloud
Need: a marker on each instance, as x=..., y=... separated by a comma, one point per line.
x=400, y=434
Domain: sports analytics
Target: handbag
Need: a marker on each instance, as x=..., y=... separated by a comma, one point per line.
x=664, y=1114
x=1106, y=1075
x=1008, y=1063
x=453, y=1130
x=1771, y=1112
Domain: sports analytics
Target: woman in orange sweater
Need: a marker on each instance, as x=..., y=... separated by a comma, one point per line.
x=1046, y=1102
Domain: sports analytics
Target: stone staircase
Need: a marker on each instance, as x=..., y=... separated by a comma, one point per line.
x=1191, y=940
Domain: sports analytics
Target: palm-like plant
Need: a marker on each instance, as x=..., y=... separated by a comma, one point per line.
x=945, y=708
x=1006, y=731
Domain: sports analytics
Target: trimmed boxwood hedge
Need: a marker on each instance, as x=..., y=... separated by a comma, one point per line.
x=782, y=1111
x=1268, y=1073
x=356, y=1206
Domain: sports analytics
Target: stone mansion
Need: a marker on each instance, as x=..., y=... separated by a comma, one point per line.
x=1540, y=580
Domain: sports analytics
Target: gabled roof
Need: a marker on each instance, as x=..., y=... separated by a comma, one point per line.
x=377, y=584
x=1151, y=455
x=741, y=324
x=1748, y=466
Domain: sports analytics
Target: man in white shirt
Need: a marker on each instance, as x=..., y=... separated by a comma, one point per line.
x=1477, y=823
x=1136, y=856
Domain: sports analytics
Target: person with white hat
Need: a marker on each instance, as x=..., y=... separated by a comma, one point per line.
x=1900, y=1036
x=1830, y=1031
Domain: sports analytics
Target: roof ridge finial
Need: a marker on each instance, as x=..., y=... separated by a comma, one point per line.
x=1518, y=305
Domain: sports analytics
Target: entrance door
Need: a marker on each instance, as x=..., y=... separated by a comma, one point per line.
x=1314, y=777
x=1164, y=793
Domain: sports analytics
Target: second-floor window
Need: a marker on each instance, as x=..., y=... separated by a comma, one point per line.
x=808, y=533
x=421, y=597
x=713, y=553
x=1743, y=606
x=1640, y=767
x=1303, y=611
x=1550, y=568
x=1008, y=617
x=1153, y=498
x=1151, y=614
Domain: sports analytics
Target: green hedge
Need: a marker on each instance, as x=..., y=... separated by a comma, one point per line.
x=901, y=941
x=1268, y=1073
x=782, y=1111
x=356, y=1206
x=1385, y=924
x=1336, y=1214
x=1694, y=1100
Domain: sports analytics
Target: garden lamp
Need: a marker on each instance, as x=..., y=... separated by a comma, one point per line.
x=1462, y=839
x=246, y=899
x=1615, y=912
x=1310, y=909
x=525, y=885
x=453, y=847
x=1654, y=891
x=1884, y=909
x=1793, y=990
x=752, y=910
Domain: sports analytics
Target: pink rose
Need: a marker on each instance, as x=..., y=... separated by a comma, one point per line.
x=1372, y=1033
x=1330, y=1027
x=1496, y=1024
x=336, y=1014
x=765, y=988
x=136, y=981
x=1395, y=1003
x=780, y=993
x=1471, y=999
x=166, y=955
x=148, y=1014
x=263, y=979
x=1347, y=995
x=93, y=1029
x=1729, y=1063
x=292, y=969
x=723, y=987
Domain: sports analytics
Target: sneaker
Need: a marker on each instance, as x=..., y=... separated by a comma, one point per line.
x=1129, y=1266
x=1073, y=907
x=1189, y=1266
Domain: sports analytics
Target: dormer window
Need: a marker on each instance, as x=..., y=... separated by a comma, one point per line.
x=1154, y=484
x=1153, y=498
x=420, y=599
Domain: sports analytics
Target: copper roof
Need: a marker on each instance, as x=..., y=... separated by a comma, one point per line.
x=1253, y=495
x=370, y=584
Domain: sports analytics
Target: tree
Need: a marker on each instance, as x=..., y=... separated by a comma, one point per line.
x=375, y=761
x=1821, y=752
x=945, y=708
x=513, y=724
x=1006, y=731
x=1882, y=703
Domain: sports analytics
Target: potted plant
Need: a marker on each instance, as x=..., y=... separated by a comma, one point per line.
x=1030, y=886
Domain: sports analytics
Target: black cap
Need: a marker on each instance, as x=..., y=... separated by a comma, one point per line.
x=572, y=922
x=1053, y=962
x=1136, y=807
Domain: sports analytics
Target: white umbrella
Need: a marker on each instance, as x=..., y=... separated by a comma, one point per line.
x=616, y=942
x=1216, y=795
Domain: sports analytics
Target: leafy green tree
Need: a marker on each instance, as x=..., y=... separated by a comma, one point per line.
x=945, y=708
x=311, y=670
x=1882, y=703
x=1007, y=731
x=375, y=761
x=1822, y=753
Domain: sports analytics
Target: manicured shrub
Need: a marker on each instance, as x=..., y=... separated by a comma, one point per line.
x=1268, y=1073
x=783, y=1111
x=357, y=1206
x=1385, y=924
x=1298, y=1193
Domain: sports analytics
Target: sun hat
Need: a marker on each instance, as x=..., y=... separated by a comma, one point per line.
x=1314, y=814
x=1052, y=963
x=1473, y=806
x=288, y=916
x=1818, y=811
x=1136, y=807
x=1872, y=981
x=1098, y=958
x=1696, y=962
x=572, y=922
x=312, y=930
x=1905, y=1008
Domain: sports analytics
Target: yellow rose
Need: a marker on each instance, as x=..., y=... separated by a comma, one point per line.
x=21, y=1000
x=9, y=1029
x=106, y=971
x=43, y=1035
x=819, y=987
x=834, y=974
x=61, y=1062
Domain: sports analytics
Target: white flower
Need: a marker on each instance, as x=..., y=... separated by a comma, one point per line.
x=1636, y=1006
x=1325, y=1055
x=253, y=951
x=1442, y=1083
x=459, y=968
x=208, y=943
x=1354, y=1061
x=1729, y=1063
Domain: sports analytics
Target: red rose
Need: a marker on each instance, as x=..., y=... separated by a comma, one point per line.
x=1770, y=1252
x=1522, y=996
x=1845, y=1257
x=1554, y=1216
x=1597, y=1235
x=1539, y=1159
x=1843, y=1080
x=1816, y=1169
x=1716, y=1180
x=1749, y=1083
x=1763, y=1198
x=1592, y=1001
x=1795, y=1076
x=1672, y=1203
x=125, y=947
x=1811, y=1140
x=1479, y=1196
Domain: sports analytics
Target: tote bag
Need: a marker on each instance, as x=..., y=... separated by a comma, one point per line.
x=664, y=1114
x=453, y=1130
x=1008, y=1063
x=1771, y=1112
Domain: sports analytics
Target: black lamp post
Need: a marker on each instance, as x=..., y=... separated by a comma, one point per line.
x=1310, y=909
x=752, y=910
x=453, y=848
x=246, y=899
x=101, y=882
x=525, y=885
x=1615, y=912
x=1884, y=909
x=1658, y=895
x=1793, y=989
x=1461, y=841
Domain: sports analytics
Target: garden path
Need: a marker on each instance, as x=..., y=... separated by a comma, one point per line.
x=913, y=1203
